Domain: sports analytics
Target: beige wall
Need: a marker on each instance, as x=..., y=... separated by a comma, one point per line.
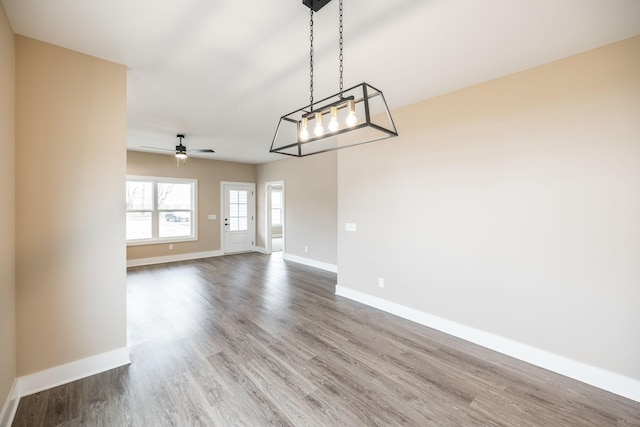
x=70, y=181
x=209, y=174
x=512, y=207
x=310, y=204
x=7, y=212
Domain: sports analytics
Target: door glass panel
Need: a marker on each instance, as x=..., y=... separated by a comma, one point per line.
x=238, y=210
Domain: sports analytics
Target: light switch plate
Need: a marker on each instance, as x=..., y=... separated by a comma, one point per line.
x=350, y=226
x=212, y=217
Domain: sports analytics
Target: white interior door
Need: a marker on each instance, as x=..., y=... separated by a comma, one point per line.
x=238, y=225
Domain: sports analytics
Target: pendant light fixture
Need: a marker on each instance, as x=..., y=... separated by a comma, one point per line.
x=353, y=116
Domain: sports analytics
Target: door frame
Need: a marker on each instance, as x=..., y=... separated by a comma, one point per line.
x=268, y=187
x=252, y=225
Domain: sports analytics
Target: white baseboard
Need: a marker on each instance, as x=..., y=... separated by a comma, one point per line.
x=172, y=258
x=598, y=377
x=10, y=406
x=311, y=262
x=260, y=249
x=63, y=374
x=59, y=375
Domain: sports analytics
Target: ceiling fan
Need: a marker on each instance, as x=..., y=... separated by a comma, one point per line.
x=181, y=150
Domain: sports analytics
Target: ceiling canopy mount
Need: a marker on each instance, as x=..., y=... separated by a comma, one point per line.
x=315, y=5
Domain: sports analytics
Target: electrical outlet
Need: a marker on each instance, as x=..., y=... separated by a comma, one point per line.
x=171, y=247
x=380, y=282
x=306, y=249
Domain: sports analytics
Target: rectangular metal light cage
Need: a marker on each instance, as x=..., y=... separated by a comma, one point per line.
x=374, y=123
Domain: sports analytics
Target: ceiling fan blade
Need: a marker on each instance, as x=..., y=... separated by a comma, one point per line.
x=157, y=148
x=200, y=150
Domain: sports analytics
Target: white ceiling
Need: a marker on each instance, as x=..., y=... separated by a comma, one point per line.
x=224, y=71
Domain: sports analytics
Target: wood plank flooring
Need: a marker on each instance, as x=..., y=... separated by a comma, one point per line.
x=250, y=340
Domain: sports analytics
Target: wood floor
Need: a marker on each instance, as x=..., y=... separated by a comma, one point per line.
x=250, y=340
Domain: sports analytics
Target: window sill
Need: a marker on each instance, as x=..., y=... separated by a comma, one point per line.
x=147, y=242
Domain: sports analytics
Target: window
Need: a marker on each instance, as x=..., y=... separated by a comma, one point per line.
x=160, y=209
x=276, y=207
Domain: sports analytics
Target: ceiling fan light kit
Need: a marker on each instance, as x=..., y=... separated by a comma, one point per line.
x=353, y=116
x=181, y=150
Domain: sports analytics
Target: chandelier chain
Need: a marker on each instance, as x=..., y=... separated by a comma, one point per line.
x=311, y=60
x=341, y=57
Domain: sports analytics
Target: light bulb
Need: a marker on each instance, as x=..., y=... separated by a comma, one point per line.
x=318, y=130
x=181, y=158
x=333, y=123
x=352, y=120
x=304, y=132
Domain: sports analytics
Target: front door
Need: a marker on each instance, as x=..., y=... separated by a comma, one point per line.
x=238, y=225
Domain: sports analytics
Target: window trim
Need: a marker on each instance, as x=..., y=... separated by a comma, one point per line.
x=155, y=211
